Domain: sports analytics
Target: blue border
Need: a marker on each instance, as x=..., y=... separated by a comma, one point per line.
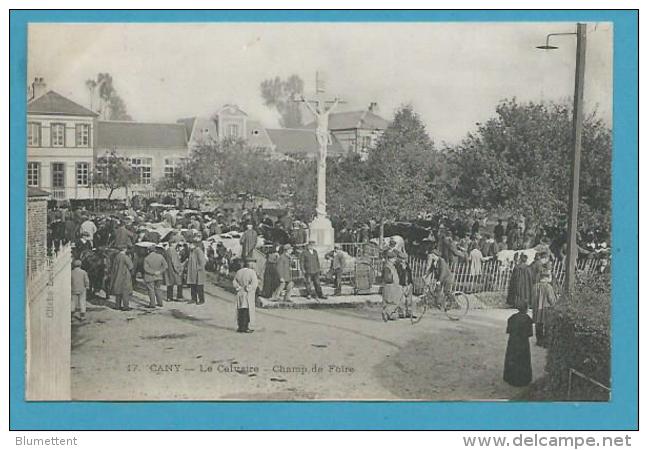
x=620, y=413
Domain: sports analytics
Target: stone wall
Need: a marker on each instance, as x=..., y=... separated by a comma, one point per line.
x=36, y=234
x=47, y=325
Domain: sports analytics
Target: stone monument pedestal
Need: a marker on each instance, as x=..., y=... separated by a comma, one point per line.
x=321, y=231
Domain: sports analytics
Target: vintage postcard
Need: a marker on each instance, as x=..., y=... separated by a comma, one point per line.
x=309, y=211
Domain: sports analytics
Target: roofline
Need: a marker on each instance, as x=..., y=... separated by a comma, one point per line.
x=356, y=128
x=43, y=113
x=134, y=122
x=130, y=147
x=292, y=129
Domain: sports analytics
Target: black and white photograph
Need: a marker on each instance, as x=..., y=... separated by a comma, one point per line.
x=312, y=211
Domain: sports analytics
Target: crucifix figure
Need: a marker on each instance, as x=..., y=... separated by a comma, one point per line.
x=321, y=113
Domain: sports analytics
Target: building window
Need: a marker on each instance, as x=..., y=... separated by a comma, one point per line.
x=58, y=175
x=83, y=135
x=143, y=168
x=232, y=130
x=58, y=134
x=366, y=142
x=83, y=174
x=34, y=134
x=170, y=166
x=33, y=174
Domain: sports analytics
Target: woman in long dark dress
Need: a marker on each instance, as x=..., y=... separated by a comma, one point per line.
x=271, y=279
x=517, y=364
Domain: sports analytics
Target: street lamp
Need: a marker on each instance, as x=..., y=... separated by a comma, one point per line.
x=577, y=132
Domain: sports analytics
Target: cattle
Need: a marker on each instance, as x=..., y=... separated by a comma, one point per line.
x=97, y=264
x=400, y=242
x=275, y=235
x=506, y=257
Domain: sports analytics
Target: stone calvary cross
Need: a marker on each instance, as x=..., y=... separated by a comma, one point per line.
x=321, y=228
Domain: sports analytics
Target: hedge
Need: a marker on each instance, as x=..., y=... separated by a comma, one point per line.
x=579, y=338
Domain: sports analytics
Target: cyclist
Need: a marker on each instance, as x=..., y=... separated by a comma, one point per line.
x=438, y=267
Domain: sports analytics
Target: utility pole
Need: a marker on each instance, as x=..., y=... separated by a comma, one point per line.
x=572, y=247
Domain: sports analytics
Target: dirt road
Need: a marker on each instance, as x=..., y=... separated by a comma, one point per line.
x=191, y=352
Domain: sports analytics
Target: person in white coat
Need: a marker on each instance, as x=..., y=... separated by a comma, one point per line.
x=246, y=283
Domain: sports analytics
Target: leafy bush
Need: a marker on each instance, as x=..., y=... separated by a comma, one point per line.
x=579, y=338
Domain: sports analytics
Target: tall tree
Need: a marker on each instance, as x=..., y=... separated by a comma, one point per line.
x=279, y=94
x=519, y=161
x=400, y=168
x=103, y=94
x=228, y=167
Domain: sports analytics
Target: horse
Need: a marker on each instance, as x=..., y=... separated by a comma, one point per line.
x=94, y=263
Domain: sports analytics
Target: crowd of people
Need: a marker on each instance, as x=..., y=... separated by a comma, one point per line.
x=111, y=250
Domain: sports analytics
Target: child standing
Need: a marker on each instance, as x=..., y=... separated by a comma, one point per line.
x=80, y=285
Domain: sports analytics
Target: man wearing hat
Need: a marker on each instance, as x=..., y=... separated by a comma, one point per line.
x=82, y=244
x=338, y=262
x=80, y=285
x=173, y=274
x=439, y=268
x=246, y=282
x=123, y=236
x=285, y=273
x=121, y=279
x=154, y=267
x=310, y=266
x=248, y=241
x=196, y=271
x=392, y=290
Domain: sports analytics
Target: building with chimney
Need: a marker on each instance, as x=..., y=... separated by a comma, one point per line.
x=60, y=144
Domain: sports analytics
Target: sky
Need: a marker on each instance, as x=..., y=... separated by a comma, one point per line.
x=453, y=74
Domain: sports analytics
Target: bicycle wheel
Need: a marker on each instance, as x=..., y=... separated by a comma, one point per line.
x=419, y=306
x=456, y=305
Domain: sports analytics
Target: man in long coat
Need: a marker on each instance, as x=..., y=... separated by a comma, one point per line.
x=121, y=283
x=338, y=263
x=70, y=228
x=248, y=242
x=392, y=290
x=246, y=283
x=309, y=260
x=284, y=271
x=154, y=267
x=123, y=237
x=173, y=274
x=196, y=272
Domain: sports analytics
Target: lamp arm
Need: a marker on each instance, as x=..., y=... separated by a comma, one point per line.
x=558, y=34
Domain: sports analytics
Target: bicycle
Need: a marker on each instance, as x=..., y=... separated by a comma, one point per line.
x=455, y=305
